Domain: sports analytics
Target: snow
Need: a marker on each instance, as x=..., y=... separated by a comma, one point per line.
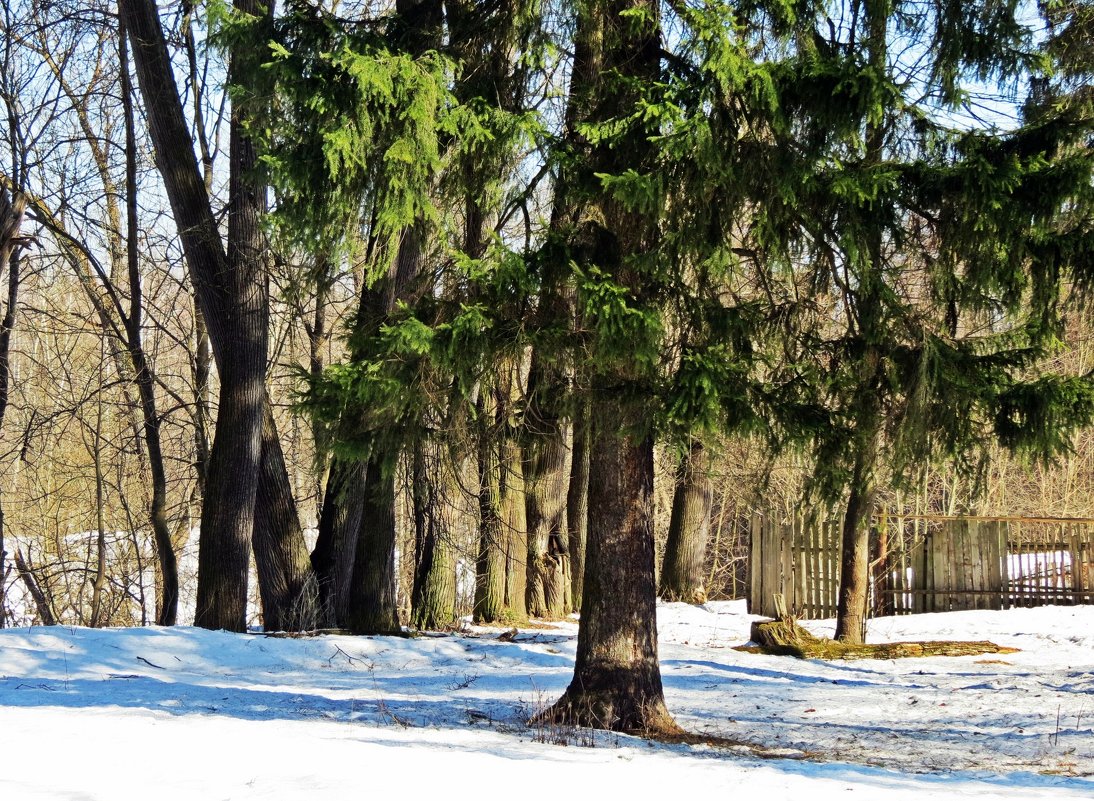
x=189, y=714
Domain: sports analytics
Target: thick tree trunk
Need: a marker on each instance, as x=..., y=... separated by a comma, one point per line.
x=490, y=564
x=500, y=570
x=228, y=512
x=685, y=551
x=546, y=482
x=617, y=678
x=286, y=582
x=514, y=516
x=372, y=545
x=336, y=544
x=433, y=599
x=372, y=605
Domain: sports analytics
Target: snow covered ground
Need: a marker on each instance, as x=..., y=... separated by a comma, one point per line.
x=188, y=714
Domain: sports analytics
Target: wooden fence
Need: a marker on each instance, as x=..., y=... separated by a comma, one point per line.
x=925, y=563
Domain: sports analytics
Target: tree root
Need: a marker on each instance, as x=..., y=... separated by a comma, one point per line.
x=610, y=711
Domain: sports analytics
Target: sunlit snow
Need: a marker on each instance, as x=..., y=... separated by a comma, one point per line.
x=188, y=714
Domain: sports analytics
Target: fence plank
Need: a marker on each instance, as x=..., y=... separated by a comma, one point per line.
x=772, y=583
x=997, y=551
x=924, y=580
x=784, y=535
x=835, y=566
x=755, y=565
x=813, y=572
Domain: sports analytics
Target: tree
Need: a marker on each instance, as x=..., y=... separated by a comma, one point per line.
x=11, y=222
x=499, y=51
x=938, y=251
x=231, y=290
x=617, y=678
x=685, y=549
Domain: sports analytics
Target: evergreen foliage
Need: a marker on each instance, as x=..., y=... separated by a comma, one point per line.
x=352, y=139
x=830, y=255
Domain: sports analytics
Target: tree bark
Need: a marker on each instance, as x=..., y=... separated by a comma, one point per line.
x=546, y=480
x=516, y=524
x=501, y=580
x=228, y=514
x=685, y=550
x=854, y=585
x=11, y=220
x=372, y=604
x=486, y=38
x=286, y=582
x=577, y=504
x=617, y=678
x=336, y=544
x=433, y=599
x=490, y=564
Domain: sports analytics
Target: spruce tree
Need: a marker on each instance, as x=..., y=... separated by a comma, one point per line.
x=934, y=251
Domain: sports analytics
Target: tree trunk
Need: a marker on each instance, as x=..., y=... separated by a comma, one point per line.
x=685, y=551
x=11, y=220
x=617, y=678
x=433, y=599
x=546, y=480
x=336, y=544
x=372, y=605
x=577, y=504
x=854, y=585
x=286, y=583
x=232, y=297
x=318, y=339
x=501, y=580
x=167, y=599
x=228, y=514
x=513, y=509
x=490, y=569
x=372, y=546
x=367, y=601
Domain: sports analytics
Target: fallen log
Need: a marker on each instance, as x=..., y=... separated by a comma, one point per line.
x=786, y=638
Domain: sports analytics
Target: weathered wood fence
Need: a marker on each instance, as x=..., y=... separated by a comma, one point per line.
x=925, y=563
